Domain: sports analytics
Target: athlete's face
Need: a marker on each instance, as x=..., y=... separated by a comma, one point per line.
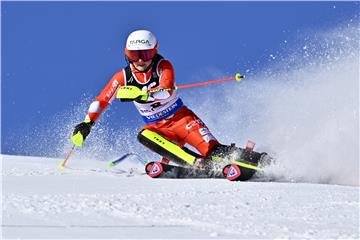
x=141, y=65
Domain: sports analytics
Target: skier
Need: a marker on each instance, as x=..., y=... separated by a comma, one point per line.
x=169, y=123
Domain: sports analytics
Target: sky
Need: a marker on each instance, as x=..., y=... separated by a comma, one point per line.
x=57, y=56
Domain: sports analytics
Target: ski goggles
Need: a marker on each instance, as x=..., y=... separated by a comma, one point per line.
x=145, y=55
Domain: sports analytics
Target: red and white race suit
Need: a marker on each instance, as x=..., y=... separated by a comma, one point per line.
x=163, y=112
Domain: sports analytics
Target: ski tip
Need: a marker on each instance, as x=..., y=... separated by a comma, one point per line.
x=154, y=169
x=232, y=172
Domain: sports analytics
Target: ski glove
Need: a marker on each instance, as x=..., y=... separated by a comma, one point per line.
x=80, y=133
x=131, y=93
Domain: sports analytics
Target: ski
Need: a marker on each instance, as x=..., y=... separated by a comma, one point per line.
x=236, y=171
x=247, y=164
x=163, y=170
x=223, y=165
x=239, y=171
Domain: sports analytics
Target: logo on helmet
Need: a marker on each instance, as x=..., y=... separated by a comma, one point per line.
x=137, y=42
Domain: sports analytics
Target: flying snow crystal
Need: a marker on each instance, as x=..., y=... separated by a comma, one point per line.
x=303, y=110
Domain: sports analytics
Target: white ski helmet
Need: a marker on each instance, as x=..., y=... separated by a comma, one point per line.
x=141, y=44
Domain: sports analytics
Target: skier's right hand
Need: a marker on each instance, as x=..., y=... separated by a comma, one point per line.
x=80, y=133
x=132, y=93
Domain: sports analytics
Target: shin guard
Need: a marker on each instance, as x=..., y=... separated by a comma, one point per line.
x=165, y=148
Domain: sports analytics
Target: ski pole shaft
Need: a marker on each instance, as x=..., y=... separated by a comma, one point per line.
x=118, y=160
x=63, y=163
x=125, y=156
x=237, y=77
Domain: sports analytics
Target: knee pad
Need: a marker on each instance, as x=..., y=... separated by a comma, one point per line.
x=165, y=148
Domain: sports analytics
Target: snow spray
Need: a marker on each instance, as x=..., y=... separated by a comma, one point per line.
x=302, y=108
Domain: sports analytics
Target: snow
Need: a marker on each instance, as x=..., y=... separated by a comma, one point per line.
x=92, y=201
x=303, y=109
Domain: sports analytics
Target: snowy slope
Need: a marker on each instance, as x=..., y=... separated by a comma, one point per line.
x=42, y=201
x=303, y=109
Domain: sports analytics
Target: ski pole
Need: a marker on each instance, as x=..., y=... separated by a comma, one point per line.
x=120, y=159
x=237, y=77
x=63, y=163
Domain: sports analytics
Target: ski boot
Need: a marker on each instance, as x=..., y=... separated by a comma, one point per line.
x=239, y=164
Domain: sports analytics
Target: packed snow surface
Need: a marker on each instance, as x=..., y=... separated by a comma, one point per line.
x=92, y=201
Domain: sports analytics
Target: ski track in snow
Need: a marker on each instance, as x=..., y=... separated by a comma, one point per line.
x=42, y=201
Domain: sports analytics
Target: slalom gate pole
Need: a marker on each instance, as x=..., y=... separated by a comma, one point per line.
x=237, y=77
x=63, y=163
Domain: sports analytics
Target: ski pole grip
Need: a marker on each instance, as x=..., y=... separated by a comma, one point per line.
x=238, y=77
